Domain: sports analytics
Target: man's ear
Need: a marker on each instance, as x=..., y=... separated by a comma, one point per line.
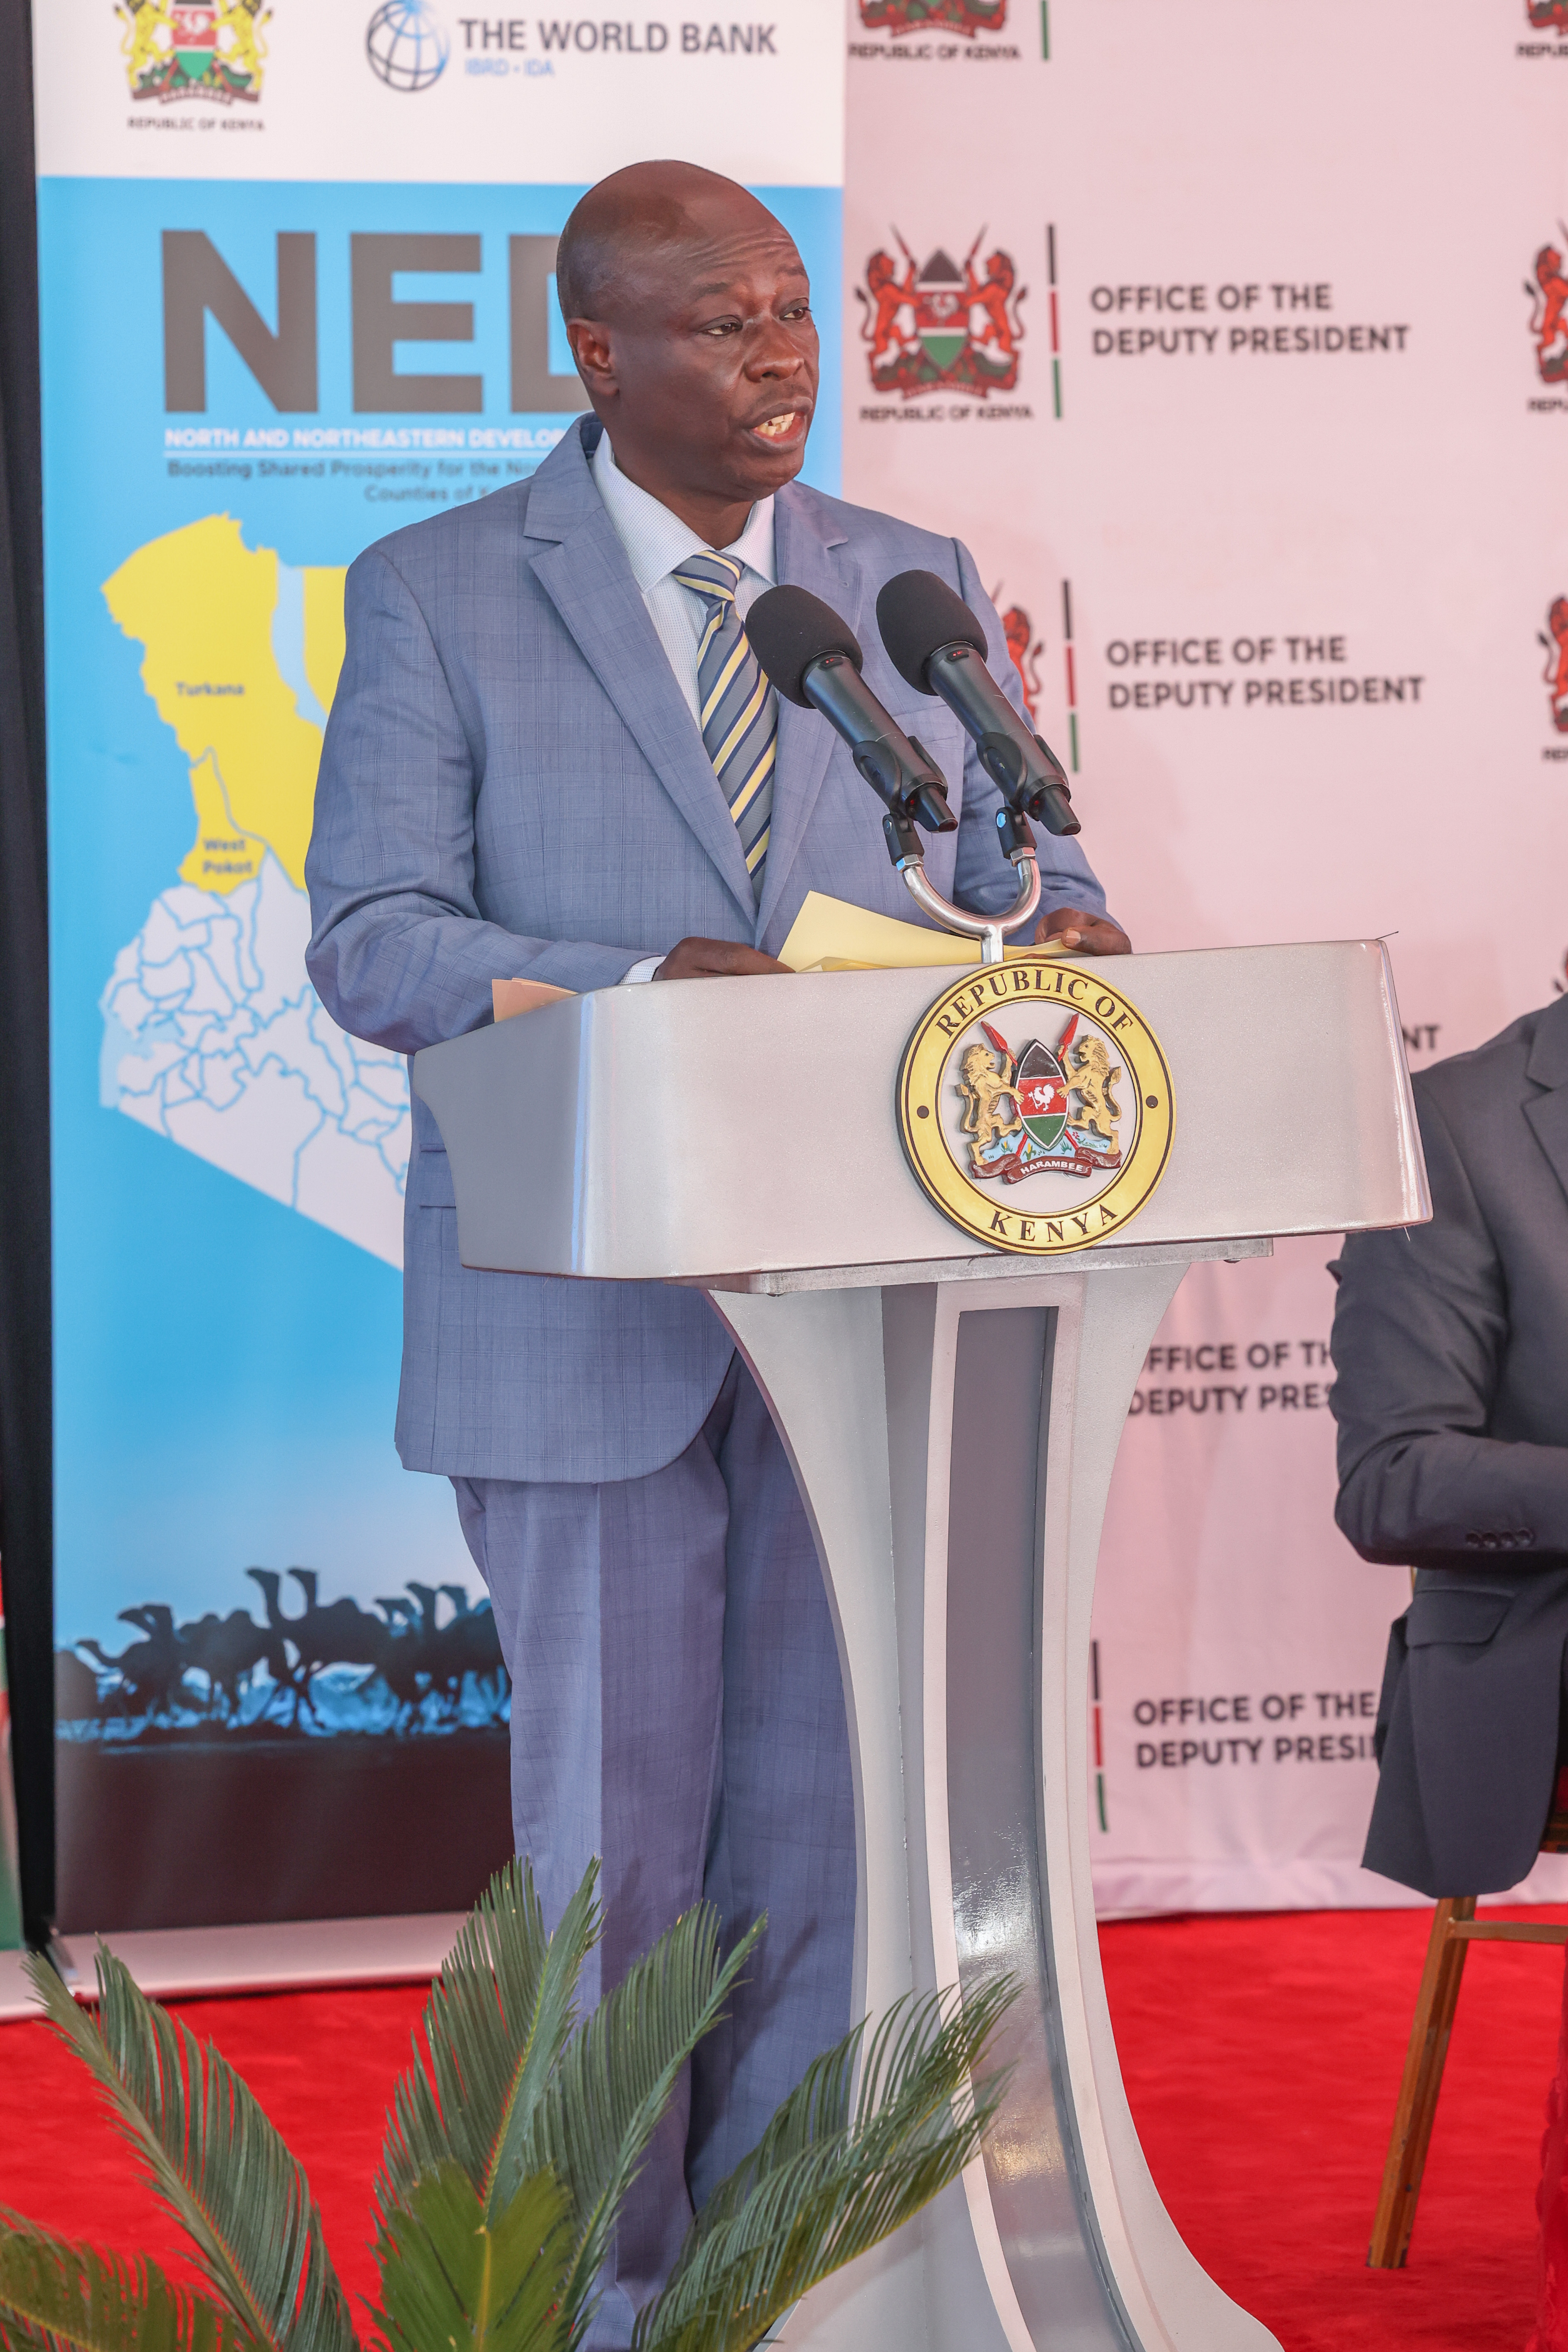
x=590, y=341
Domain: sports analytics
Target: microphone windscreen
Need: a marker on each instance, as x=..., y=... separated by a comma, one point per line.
x=918, y=614
x=788, y=629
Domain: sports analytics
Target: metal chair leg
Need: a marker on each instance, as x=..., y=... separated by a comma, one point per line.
x=1413, y=2117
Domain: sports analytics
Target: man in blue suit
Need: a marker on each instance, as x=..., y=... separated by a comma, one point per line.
x=553, y=755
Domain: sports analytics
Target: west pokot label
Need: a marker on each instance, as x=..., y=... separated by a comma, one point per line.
x=1034, y=1107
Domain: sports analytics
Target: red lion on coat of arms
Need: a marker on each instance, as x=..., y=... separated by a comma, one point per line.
x=1556, y=670
x=1025, y=649
x=1549, y=314
x=934, y=326
x=1546, y=16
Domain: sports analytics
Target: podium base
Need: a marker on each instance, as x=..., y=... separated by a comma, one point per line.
x=953, y=1441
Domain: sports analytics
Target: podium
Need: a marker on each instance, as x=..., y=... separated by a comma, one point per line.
x=952, y=1411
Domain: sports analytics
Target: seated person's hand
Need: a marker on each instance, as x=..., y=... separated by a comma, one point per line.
x=1085, y=934
x=714, y=959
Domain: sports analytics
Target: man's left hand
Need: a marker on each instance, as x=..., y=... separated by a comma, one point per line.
x=1082, y=933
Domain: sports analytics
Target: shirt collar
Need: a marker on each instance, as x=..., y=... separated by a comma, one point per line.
x=656, y=542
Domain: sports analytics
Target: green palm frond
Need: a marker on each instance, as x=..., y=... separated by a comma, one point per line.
x=514, y=2086
x=497, y=2021
x=825, y=2183
x=616, y=2077
x=213, y=2158
x=513, y=2147
x=452, y=2279
x=56, y=2297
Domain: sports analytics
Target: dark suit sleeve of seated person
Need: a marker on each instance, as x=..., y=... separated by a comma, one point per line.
x=1453, y=1457
x=1440, y=1463
x=401, y=951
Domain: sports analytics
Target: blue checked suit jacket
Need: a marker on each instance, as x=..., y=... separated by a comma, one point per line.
x=512, y=784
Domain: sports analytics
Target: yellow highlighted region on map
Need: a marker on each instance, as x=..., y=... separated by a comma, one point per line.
x=202, y=605
x=220, y=858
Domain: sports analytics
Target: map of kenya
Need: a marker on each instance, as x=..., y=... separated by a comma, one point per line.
x=213, y=1035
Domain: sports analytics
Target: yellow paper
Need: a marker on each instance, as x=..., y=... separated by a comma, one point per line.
x=510, y=997
x=830, y=935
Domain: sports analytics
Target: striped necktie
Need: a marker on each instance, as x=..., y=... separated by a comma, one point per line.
x=738, y=708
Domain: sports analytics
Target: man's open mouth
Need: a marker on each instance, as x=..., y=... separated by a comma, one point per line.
x=781, y=427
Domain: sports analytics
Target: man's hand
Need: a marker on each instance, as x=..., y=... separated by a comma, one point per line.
x=715, y=959
x=1085, y=934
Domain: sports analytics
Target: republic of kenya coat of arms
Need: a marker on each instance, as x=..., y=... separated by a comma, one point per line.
x=1033, y=1142
x=1040, y=1084
x=195, y=49
x=938, y=327
x=965, y=17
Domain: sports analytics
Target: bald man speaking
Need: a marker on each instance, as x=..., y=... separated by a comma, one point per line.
x=553, y=755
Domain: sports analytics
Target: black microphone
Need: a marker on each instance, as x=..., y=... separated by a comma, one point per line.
x=813, y=657
x=937, y=645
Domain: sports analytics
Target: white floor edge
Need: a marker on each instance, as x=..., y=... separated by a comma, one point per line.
x=275, y=1956
x=1136, y=1888
x=282, y=1955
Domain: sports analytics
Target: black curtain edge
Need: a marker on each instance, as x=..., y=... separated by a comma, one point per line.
x=27, y=1469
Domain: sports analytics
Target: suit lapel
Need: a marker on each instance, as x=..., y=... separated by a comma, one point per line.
x=584, y=571
x=808, y=553
x=1548, y=1066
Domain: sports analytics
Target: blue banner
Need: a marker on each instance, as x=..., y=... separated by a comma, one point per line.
x=245, y=385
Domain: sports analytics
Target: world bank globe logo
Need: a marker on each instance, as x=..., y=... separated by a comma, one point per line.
x=406, y=45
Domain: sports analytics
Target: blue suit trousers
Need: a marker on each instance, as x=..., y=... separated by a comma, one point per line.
x=678, y=1710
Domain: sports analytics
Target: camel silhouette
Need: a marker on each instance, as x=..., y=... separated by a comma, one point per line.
x=151, y=1672
x=228, y=1651
x=341, y=1633
x=210, y=1665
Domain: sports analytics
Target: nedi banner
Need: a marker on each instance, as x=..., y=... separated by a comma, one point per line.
x=1235, y=342
x=297, y=268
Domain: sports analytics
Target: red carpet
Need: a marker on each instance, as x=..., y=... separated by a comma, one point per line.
x=1261, y=2055
x=322, y=2065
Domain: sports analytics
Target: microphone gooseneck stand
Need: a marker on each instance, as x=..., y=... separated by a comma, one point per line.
x=812, y=656
x=991, y=930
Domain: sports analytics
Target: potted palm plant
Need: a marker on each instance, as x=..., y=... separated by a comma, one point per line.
x=514, y=2139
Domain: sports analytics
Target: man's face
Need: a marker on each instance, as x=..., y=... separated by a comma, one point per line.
x=709, y=370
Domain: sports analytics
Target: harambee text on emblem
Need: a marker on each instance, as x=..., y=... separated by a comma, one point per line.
x=1034, y=1105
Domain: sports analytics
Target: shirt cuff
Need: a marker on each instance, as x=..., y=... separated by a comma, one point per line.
x=644, y=971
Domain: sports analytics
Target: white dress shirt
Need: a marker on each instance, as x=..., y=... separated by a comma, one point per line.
x=658, y=543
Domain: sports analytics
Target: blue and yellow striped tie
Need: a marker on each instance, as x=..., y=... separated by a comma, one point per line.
x=738, y=708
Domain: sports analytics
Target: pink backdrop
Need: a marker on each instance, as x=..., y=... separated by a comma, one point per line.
x=1235, y=342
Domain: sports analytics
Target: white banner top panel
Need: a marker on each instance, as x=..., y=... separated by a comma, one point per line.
x=402, y=90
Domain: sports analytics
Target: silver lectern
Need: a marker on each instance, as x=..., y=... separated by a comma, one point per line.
x=943, y=1215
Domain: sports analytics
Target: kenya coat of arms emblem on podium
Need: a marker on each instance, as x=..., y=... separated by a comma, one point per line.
x=1034, y=1105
